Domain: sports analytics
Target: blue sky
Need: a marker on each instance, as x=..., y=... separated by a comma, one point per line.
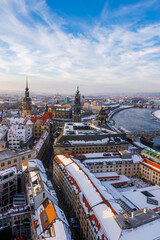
x=102, y=46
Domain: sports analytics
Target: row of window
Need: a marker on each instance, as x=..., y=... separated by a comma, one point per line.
x=15, y=160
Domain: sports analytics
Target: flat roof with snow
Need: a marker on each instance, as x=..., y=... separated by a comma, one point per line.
x=142, y=197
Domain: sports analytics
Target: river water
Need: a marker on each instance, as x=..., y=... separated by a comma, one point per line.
x=138, y=119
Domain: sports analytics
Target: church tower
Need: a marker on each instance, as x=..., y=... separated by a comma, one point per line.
x=77, y=107
x=102, y=117
x=26, y=101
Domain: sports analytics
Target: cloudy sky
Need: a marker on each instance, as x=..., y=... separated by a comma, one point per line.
x=102, y=46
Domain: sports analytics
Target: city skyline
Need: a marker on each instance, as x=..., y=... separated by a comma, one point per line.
x=102, y=46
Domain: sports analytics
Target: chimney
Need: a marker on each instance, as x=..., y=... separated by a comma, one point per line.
x=145, y=210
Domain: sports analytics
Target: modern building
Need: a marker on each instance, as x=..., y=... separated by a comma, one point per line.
x=14, y=212
x=77, y=107
x=27, y=103
x=77, y=138
x=8, y=185
x=17, y=217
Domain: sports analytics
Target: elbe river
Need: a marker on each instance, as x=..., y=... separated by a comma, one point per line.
x=139, y=119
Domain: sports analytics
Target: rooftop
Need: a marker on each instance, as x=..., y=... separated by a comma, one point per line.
x=50, y=222
x=144, y=197
x=6, y=154
x=19, y=199
x=40, y=142
x=38, y=179
x=95, y=194
x=103, y=205
x=107, y=157
x=74, y=135
x=9, y=171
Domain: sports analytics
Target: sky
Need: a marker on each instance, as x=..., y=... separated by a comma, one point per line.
x=101, y=46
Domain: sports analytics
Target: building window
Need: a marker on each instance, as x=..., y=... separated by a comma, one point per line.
x=2, y=164
x=45, y=218
x=15, y=160
x=9, y=162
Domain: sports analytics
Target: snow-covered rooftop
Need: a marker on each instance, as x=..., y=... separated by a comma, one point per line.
x=138, y=198
x=106, y=175
x=108, y=157
x=56, y=227
x=40, y=142
x=38, y=178
x=95, y=194
x=8, y=171
x=86, y=184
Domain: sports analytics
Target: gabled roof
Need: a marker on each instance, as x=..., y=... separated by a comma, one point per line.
x=47, y=115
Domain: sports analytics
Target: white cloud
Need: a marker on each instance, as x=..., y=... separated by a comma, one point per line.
x=102, y=59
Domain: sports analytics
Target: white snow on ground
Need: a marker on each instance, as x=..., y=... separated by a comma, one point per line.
x=157, y=114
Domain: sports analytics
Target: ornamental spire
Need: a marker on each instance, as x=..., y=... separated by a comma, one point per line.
x=26, y=82
x=77, y=90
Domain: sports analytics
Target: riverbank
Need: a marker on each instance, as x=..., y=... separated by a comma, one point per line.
x=117, y=110
x=137, y=120
x=156, y=114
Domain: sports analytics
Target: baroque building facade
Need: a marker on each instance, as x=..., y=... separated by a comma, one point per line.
x=102, y=117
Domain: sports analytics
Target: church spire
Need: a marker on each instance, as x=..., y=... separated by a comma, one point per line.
x=27, y=101
x=77, y=107
x=77, y=90
x=26, y=82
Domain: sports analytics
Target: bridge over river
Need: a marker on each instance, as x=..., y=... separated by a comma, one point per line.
x=146, y=136
x=142, y=105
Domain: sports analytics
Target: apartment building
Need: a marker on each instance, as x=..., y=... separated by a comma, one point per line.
x=37, y=184
x=9, y=158
x=40, y=125
x=18, y=136
x=14, y=211
x=41, y=145
x=122, y=162
x=150, y=166
x=100, y=215
x=3, y=132
x=48, y=221
x=17, y=217
x=8, y=185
